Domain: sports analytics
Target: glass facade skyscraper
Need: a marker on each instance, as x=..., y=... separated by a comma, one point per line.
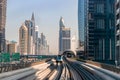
x=64, y=37
x=117, y=31
x=81, y=21
x=100, y=29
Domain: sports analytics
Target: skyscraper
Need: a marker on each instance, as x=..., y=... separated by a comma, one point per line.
x=23, y=40
x=44, y=47
x=33, y=26
x=73, y=43
x=36, y=39
x=31, y=35
x=12, y=47
x=3, y=4
x=42, y=39
x=29, y=25
x=64, y=37
x=100, y=29
x=117, y=31
x=81, y=21
x=30, y=41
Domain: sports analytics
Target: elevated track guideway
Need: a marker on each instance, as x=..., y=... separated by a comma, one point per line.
x=52, y=70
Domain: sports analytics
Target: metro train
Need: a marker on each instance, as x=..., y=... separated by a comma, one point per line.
x=59, y=58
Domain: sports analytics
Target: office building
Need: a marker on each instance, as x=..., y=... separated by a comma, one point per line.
x=44, y=47
x=100, y=29
x=39, y=46
x=3, y=4
x=12, y=47
x=43, y=39
x=32, y=43
x=64, y=37
x=36, y=39
x=23, y=40
x=81, y=22
x=73, y=43
x=29, y=26
x=117, y=31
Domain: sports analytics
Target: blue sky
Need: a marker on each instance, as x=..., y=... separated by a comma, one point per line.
x=47, y=15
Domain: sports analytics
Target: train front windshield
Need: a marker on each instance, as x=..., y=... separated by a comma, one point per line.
x=59, y=58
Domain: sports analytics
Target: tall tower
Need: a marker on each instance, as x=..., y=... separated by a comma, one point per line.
x=34, y=33
x=36, y=39
x=23, y=40
x=3, y=4
x=117, y=28
x=33, y=18
x=64, y=37
x=61, y=25
x=81, y=21
x=28, y=24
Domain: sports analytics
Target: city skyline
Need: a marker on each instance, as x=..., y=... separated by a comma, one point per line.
x=47, y=14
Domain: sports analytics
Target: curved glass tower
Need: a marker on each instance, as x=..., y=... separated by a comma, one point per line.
x=81, y=21
x=64, y=37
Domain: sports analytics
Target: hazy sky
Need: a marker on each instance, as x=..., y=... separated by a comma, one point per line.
x=47, y=15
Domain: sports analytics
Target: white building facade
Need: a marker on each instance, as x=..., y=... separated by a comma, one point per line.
x=64, y=37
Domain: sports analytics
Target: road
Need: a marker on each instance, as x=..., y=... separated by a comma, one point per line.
x=67, y=70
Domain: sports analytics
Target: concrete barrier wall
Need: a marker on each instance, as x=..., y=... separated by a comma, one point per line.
x=102, y=65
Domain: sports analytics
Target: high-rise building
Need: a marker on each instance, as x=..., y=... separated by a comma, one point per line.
x=12, y=47
x=3, y=4
x=64, y=37
x=100, y=29
x=23, y=40
x=47, y=49
x=31, y=42
x=30, y=47
x=33, y=27
x=73, y=43
x=31, y=36
x=43, y=47
x=36, y=39
x=39, y=45
x=81, y=21
x=42, y=39
x=117, y=31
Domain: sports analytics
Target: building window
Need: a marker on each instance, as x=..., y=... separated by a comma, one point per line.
x=117, y=6
x=112, y=8
x=100, y=8
x=31, y=24
x=100, y=24
x=118, y=43
x=117, y=37
x=118, y=16
x=23, y=33
x=31, y=32
x=111, y=23
x=101, y=45
x=90, y=16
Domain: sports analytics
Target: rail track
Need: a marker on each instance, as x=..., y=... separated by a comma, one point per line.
x=52, y=72
x=81, y=72
x=67, y=70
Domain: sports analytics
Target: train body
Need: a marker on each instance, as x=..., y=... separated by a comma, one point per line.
x=59, y=58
